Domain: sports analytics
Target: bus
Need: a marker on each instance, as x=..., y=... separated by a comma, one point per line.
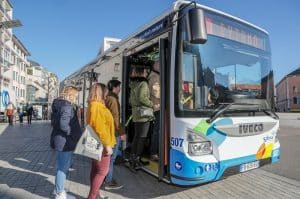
x=216, y=87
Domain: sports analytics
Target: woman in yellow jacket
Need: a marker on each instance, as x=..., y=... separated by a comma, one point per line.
x=101, y=120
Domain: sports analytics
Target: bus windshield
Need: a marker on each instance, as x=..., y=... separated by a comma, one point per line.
x=234, y=65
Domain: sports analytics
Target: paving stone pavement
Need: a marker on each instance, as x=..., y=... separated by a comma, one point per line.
x=27, y=172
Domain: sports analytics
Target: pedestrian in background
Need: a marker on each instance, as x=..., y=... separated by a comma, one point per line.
x=45, y=113
x=20, y=114
x=112, y=103
x=101, y=120
x=10, y=109
x=65, y=135
x=29, y=112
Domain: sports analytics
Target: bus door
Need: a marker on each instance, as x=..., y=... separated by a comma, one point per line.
x=163, y=172
x=147, y=52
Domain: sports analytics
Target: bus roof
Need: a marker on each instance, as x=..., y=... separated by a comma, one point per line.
x=116, y=49
x=174, y=8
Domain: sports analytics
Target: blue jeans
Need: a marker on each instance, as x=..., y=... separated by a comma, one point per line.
x=109, y=176
x=63, y=162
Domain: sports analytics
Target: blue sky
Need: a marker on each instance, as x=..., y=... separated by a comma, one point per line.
x=64, y=35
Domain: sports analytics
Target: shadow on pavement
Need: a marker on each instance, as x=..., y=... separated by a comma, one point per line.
x=24, y=180
x=27, y=162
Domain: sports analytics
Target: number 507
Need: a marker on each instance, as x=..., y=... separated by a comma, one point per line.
x=176, y=142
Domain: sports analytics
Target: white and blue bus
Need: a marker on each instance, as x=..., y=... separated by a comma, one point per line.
x=217, y=92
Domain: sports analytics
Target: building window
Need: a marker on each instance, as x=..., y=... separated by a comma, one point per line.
x=29, y=71
x=295, y=89
x=116, y=68
x=295, y=100
x=6, y=55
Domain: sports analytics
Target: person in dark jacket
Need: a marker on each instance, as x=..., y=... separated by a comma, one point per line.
x=20, y=113
x=29, y=112
x=65, y=135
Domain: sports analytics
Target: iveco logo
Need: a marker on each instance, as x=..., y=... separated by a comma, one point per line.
x=251, y=128
x=247, y=129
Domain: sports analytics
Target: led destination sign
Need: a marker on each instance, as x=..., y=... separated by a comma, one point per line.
x=230, y=30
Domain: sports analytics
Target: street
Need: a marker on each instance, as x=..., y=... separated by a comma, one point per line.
x=289, y=137
x=27, y=168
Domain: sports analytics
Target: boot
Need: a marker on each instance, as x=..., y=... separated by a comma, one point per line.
x=144, y=162
x=132, y=163
x=137, y=163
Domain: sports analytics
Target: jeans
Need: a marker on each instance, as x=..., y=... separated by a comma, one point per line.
x=10, y=119
x=98, y=172
x=21, y=117
x=113, y=157
x=29, y=118
x=63, y=161
x=155, y=134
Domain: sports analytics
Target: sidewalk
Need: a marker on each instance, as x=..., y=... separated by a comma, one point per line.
x=27, y=168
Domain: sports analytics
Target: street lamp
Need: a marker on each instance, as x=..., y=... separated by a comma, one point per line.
x=10, y=24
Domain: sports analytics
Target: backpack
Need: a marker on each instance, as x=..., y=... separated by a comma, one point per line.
x=9, y=112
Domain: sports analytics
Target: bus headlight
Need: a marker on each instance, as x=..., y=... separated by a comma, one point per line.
x=192, y=136
x=200, y=148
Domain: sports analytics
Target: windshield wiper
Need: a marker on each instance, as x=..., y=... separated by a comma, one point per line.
x=240, y=107
x=218, y=112
x=271, y=114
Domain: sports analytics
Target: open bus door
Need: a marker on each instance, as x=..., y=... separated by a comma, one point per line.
x=164, y=111
x=160, y=168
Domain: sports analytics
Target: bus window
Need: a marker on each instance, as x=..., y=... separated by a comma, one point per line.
x=187, y=82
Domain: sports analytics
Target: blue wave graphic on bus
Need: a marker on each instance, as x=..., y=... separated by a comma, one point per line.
x=211, y=132
x=185, y=171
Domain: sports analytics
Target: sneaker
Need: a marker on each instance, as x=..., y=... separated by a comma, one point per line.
x=138, y=164
x=130, y=166
x=113, y=185
x=154, y=158
x=64, y=195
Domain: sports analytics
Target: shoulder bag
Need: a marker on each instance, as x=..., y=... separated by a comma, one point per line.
x=89, y=144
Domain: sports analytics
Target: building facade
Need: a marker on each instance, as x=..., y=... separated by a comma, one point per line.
x=42, y=85
x=288, y=93
x=5, y=54
x=108, y=42
x=21, y=81
x=19, y=72
x=42, y=88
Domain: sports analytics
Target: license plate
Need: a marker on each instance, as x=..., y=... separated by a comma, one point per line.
x=249, y=166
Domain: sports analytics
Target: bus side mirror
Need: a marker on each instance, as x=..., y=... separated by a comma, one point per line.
x=196, y=30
